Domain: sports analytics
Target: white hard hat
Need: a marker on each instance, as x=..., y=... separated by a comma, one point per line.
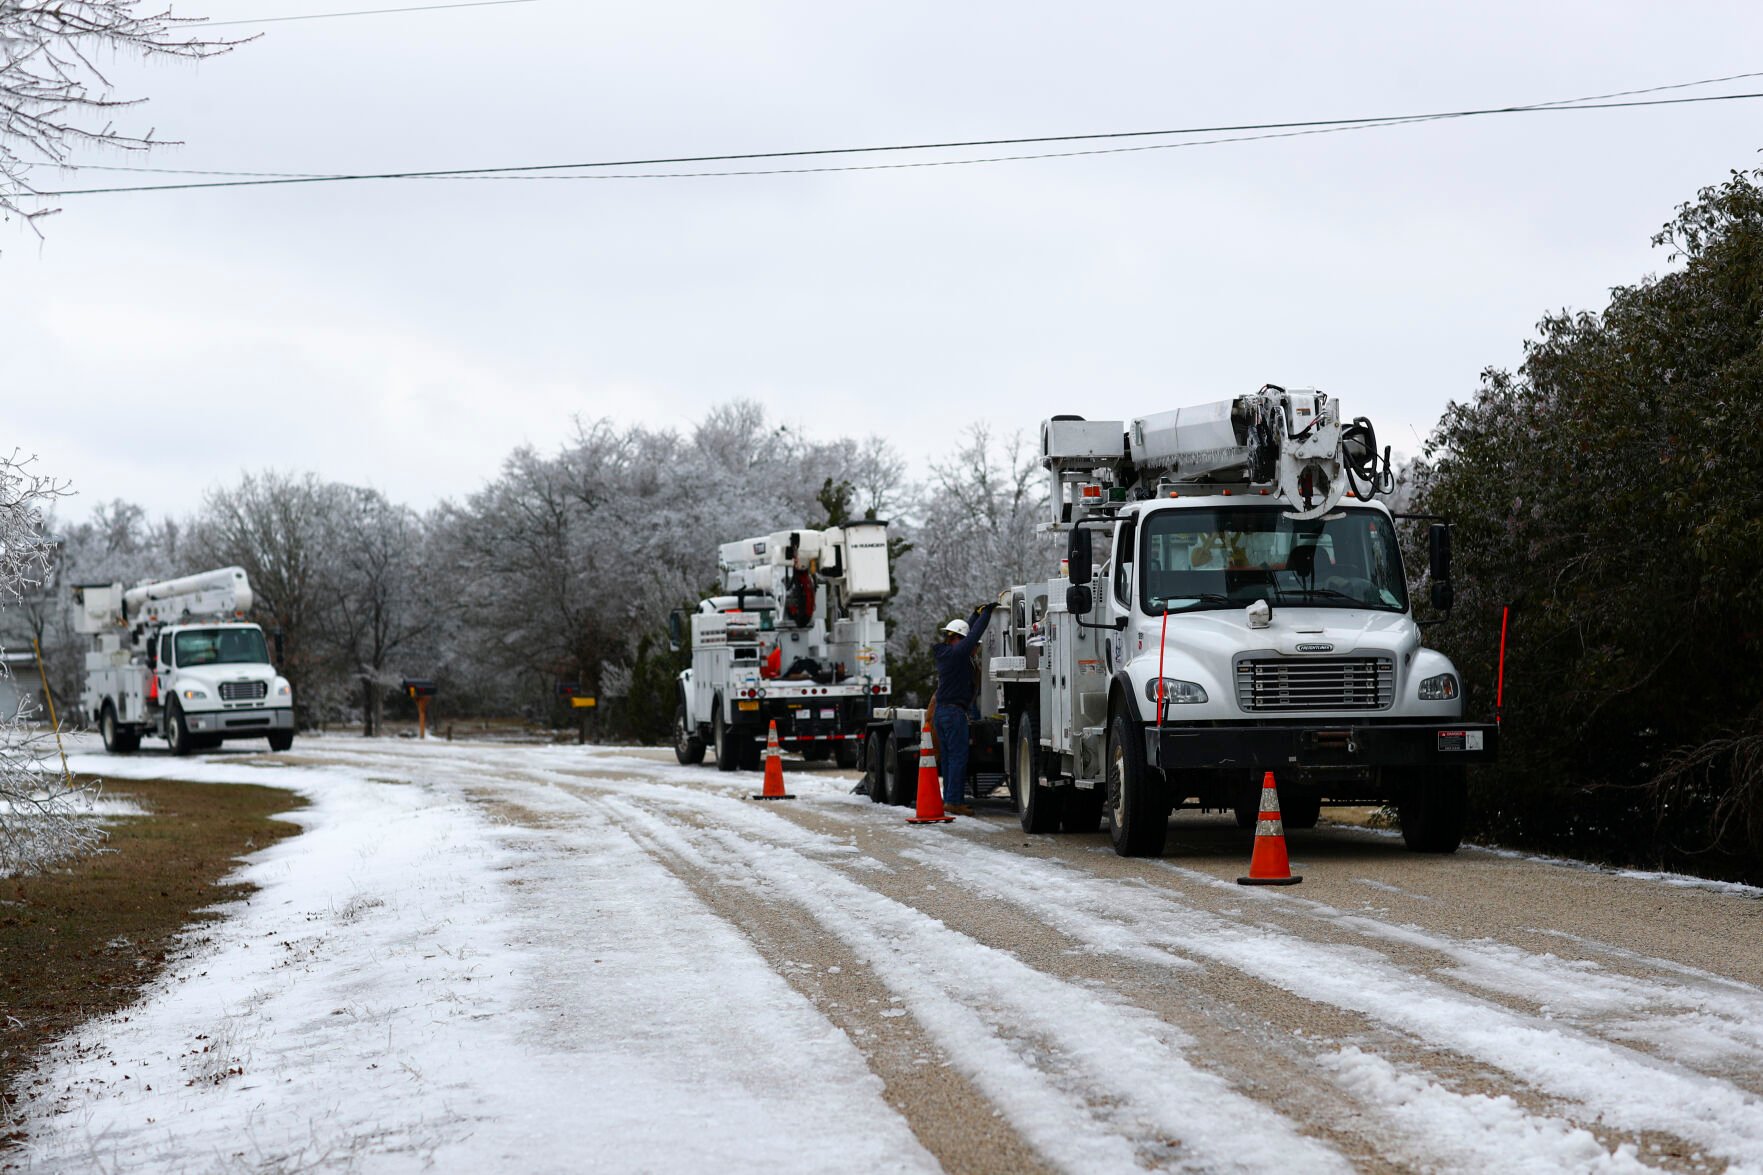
x=957, y=626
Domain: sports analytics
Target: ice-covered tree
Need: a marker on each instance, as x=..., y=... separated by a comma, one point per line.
x=54, y=96
x=41, y=816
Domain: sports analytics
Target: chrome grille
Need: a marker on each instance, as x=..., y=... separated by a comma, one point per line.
x=243, y=691
x=1316, y=683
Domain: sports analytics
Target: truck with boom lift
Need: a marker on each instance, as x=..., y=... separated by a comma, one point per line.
x=1233, y=601
x=177, y=660
x=795, y=637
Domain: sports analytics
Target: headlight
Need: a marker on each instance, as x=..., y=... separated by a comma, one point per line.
x=1176, y=692
x=193, y=694
x=284, y=690
x=1442, y=688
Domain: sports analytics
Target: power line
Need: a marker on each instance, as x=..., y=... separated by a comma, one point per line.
x=1325, y=126
x=214, y=24
x=1304, y=126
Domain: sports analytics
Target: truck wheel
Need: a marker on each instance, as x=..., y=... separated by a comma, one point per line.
x=725, y=745
x=177, y=732
x=1434, y=807
x=816, y=753
x=1081, y=810
x=1037, y=805
x=1136, y=806
x=1299, y=809
x=845, y=754
x=901, y=772
x=688, y=748
x=875, y=780
x=117, y=740
x=281, y=740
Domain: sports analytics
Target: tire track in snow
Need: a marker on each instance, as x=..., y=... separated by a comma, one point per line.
x=1619, y=1087
x=1091, y=1084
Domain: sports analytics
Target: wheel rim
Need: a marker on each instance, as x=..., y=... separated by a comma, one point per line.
x=109, y=729
x=679, y=733
x=1025, y=770
x=1117, y=784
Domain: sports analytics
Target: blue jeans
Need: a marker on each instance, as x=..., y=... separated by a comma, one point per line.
x=951, y=724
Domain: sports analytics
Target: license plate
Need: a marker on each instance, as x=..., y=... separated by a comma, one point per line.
x=1461, y=740
x=748, y=705
x=802, y=715
x=829, y=713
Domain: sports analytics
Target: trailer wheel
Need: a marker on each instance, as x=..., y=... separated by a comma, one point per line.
x=688, y=748
x=816, y=753
x=281, y=740
x=1037, y=805
x=1434, y=807
x=725, y=745
x=875, y=779
x=902, y=782
x=117, y=740
x=177, y=731
x=1136, y=806
x=1300, y=809
x=845, y=753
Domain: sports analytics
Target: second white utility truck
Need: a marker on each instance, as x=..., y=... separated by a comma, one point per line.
x=1234, y=602
x=796, y=638
x=177, y=660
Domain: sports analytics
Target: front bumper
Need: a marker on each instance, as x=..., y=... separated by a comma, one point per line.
x=240, y=723
x=1272, y=747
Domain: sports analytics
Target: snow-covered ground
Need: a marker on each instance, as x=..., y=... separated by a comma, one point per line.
x=561, y=959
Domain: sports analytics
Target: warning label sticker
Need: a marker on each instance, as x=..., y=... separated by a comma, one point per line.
x=1461, y=740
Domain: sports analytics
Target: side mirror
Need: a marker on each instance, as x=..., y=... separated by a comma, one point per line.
x=675, y=631
x=1438, y=543
x=1078, y=600
x=1079, y=558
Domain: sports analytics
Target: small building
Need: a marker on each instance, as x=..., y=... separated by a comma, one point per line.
x=20, y=680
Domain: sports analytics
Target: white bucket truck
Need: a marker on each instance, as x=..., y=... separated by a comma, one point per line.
x=796, y=638
x=1234, y=602
x=176, y=660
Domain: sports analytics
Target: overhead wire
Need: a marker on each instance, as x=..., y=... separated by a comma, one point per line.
x=601, y=168
x=214, y=24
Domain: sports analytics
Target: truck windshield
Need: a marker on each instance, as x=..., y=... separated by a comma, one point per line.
x=220, y=646
x=1198, y=559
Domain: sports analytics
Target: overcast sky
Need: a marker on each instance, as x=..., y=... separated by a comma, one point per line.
x=409, y=334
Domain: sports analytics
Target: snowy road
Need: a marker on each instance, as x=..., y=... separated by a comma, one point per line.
x=558, y=958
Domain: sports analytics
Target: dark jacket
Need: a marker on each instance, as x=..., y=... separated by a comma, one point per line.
x=955, y=664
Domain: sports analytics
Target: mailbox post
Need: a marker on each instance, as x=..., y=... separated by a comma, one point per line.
x=421, y=689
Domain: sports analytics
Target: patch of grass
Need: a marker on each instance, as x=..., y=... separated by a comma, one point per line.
x=82, y=940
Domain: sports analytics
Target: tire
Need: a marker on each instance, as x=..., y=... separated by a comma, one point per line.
x=875, y=780
x=1299, y=809
x=748, y=749
x=902, y=779
x=1434, y=807
x=1136, y=806
x=1081, y=810
x=281, y=740
x=688, y=748
x=817, y=753
x=845, y=754
x=725, y=745
x=1037, y=805
x=177, y=732
x=117, y=739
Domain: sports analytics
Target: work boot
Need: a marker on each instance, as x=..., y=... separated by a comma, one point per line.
x=958, y=809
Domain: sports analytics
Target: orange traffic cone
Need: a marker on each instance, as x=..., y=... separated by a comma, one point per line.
x=930, y=788
x=774, y=769
x=1268, y=865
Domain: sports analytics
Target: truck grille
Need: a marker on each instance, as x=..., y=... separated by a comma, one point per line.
x=1316, y=683
x=243, y=691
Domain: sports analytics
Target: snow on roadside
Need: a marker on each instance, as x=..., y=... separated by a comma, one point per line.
x=387, y=998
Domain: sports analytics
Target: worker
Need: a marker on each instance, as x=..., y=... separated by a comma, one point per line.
x=953, y=698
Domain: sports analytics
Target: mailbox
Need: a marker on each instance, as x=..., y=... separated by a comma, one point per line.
x=419, y=687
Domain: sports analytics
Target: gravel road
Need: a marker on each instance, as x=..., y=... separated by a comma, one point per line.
x=1038, y=1003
